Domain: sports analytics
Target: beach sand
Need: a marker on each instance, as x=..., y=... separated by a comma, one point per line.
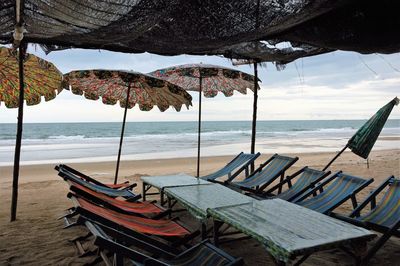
x=37, y=237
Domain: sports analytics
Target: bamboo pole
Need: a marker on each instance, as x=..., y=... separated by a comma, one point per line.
x=17, y=154
x=334, y=158
x=254, y=122
x=199, y=126
x=122, y=134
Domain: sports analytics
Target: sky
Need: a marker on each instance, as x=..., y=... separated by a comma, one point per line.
x=338, y=85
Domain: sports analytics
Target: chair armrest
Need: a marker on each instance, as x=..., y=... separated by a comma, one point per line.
x=318, y=187
x=372, y=197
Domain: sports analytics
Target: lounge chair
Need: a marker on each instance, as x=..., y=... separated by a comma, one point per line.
x=239, y=164
x=170, y=230
x=306, y=179
x=203, y=253
x=267, y=173
x=342, y=188
x=92, y=180
x=112, y=192
x=383, y=217
x=144, y=208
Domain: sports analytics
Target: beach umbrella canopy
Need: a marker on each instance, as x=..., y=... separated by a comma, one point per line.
x=215, y=79
x=210, y=80
x=363, y=140
x=129, y=88
x=41, y=78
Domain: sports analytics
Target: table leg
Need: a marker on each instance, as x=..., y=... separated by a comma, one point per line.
x=144, y=191
x=216, y=227
x=203, y=230
x=162, y=198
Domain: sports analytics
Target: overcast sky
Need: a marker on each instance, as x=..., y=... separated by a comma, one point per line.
x=338, y=85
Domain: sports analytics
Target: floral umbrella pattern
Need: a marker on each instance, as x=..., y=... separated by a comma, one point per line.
x=214, y=79
x=41, y=78
x=112, y=86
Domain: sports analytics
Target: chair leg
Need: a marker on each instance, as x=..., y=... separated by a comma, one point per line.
x=381, y=241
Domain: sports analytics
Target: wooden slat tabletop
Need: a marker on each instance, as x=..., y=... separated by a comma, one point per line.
x=288, y=230
x=162, y=182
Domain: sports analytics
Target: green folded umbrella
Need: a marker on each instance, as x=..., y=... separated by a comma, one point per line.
x=364, y=139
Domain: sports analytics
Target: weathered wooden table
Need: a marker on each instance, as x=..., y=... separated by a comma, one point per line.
x=162, y=182
x=288, y=230
x=198, y=198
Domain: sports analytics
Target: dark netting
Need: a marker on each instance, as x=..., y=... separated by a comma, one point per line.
x=231, y=28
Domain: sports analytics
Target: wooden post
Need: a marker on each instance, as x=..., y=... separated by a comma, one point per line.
x=122, y=134
x=334, y=158
x=199, y=126
x=17, y=155
x=254, y=122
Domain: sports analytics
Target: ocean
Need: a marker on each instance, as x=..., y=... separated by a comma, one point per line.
x=86, y=142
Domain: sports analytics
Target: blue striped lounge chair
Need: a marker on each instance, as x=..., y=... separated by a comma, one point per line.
x=72, y=179
x=306, y=179
x=263, y=176
x=383, y=217
x=333, y=192
x=239, y=164
x=140, y=252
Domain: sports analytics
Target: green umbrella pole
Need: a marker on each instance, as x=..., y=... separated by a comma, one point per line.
x=254, y=122
x=199, y=128
x=122, y=134
x=334, y=158
x=17, y=154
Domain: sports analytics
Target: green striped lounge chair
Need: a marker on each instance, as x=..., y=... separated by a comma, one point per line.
x=239, y=164
x=263, y=176
x=334, y=191
x=139, y=252
x=305, y=179
x=383, y=217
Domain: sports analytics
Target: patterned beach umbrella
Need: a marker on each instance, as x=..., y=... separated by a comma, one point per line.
x=210, y=80
x=129, y=88
x=113, y=85
x=214, y=79
x=363, y=140
x=41, y=78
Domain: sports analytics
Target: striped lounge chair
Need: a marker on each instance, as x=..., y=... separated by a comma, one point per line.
x=383, y=217
x=306, y=179
x=92, y=180
x=204, y=253
x=263, y=176
x=341, y=188
x=170, y=230
x=112, y=192
x=239, y=164
x=145, y=208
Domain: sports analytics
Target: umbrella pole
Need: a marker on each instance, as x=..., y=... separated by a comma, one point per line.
x=334, y=158
x=122, y=134
x=254, y=122
x=199, y=128
x=17, y=154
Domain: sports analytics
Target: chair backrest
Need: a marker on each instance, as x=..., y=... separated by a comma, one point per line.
x=234, y=167
x=387, y=211
x=268, y=172
x=338, y=191
x=79, y=174
x=306, y=180
x=105, y=190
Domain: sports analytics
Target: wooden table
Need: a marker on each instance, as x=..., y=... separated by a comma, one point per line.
x=162, y=182
x=288, y=230
x=197, y=199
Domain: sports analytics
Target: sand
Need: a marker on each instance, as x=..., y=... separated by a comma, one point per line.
x=37, y=237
